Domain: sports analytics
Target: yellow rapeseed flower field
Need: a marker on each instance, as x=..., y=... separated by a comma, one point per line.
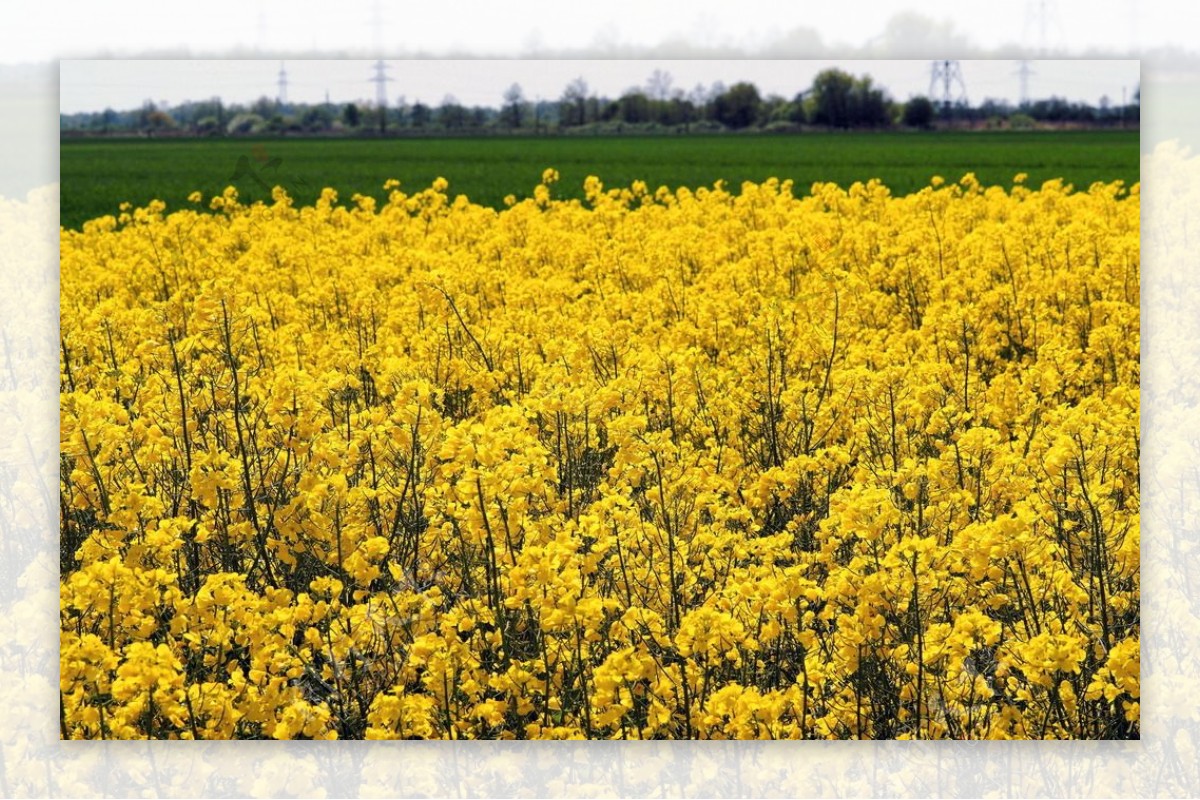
x=654, y=464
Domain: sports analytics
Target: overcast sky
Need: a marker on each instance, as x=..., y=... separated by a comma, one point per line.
x=121, y=84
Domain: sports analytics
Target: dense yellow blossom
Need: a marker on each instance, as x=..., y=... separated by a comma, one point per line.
x=655, y=464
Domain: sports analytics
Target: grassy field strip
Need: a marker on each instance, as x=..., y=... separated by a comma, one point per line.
x=96, y=176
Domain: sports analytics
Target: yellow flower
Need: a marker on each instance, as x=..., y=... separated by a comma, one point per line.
x=720, y=462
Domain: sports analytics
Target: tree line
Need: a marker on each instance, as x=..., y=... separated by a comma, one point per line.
x=835, y=100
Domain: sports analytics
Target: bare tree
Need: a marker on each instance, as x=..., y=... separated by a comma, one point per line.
x=658, y=87
x=573, y=109
x=514, y=105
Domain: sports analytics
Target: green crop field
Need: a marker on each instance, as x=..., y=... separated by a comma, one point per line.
x=97, y=175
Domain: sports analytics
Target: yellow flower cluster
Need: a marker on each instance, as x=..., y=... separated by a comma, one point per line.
x=654, y=464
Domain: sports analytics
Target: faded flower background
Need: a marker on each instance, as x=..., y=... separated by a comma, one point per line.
x=33, y=762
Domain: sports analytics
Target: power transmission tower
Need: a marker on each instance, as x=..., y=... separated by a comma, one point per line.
x=1024, y=71
x=376, y=25
x=283, y=81
x=1134, y=36
x=1038, y=14
x=380, y=79
x=261, y=29
x=948, y=73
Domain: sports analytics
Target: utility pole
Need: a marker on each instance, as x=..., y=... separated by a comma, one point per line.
x=948, y=73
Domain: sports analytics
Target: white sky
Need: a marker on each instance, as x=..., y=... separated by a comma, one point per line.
x=81, y=28
x=124, y=84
